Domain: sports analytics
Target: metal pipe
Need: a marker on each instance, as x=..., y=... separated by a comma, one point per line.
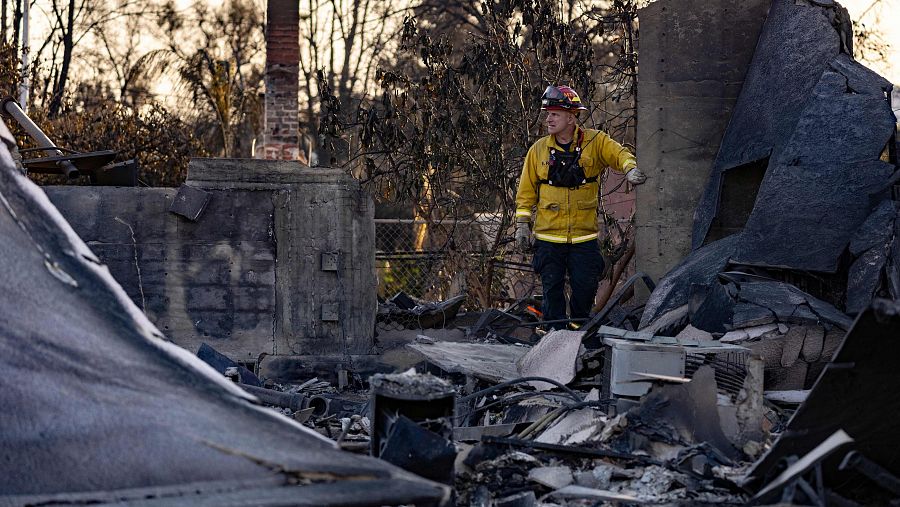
x=872, y=470
x=11, y=107
x=279, y=399
x=320, y=405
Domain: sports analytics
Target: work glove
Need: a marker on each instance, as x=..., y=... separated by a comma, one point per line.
x=635, y=176
x=523, y=236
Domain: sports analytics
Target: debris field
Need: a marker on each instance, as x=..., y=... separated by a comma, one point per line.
x=759, y=371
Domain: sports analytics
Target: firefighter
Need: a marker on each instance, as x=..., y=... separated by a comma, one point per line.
x=560, y=180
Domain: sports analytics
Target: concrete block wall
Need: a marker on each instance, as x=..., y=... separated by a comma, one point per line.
x=694, y=55
x=280, y=262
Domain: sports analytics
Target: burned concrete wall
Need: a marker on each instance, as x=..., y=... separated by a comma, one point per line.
x=694, y=55
x=212, y=280
x=280, y=261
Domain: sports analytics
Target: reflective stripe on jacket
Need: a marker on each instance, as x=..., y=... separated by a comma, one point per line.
x=568, y=215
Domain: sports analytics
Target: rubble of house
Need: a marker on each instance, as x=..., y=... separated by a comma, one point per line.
x=759, y=371
x=625, y=417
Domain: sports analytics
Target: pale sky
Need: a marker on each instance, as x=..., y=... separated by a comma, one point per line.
x=884, y=17
x=880, y=15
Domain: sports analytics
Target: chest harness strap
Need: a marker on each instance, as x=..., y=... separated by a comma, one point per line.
x=564, y=169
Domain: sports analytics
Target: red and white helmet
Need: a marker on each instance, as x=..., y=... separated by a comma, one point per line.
x=561, y=98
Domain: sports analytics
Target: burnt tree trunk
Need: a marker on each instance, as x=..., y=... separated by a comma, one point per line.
x=17, y=19
x=3, y=21
x=68, y=45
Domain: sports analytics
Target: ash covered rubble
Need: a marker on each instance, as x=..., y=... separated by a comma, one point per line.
x=544, y=425
x=612, y=416
x=501, y=433
x=759, y=369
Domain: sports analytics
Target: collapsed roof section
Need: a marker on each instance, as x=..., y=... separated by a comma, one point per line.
x=99, y=406
x=820, y=121
x=700, y=267
x=826, y=178
x=876, y=251
x=795, y=45
x=815, y=124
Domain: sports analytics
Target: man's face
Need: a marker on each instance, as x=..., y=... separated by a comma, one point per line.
x=559, y=121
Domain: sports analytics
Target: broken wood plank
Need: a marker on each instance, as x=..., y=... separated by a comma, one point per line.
x=791, y=397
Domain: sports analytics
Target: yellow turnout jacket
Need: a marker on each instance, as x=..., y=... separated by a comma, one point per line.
x=568, y=215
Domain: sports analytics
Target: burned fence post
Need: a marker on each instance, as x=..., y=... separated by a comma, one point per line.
x=293, y=401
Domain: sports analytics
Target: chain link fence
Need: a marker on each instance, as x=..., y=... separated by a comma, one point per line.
x=436, y=261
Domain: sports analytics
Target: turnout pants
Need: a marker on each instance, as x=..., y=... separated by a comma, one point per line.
x=582, y=263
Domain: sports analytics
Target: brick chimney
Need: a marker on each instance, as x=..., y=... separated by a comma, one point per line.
x=281, y=124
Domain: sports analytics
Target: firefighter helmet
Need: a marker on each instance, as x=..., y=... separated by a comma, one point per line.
x=561, y=97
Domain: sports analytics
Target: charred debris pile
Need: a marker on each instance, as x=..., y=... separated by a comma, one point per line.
x=760, y=369
x=624, y=417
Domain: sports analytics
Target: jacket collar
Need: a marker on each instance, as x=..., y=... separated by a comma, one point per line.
x=575, y=135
